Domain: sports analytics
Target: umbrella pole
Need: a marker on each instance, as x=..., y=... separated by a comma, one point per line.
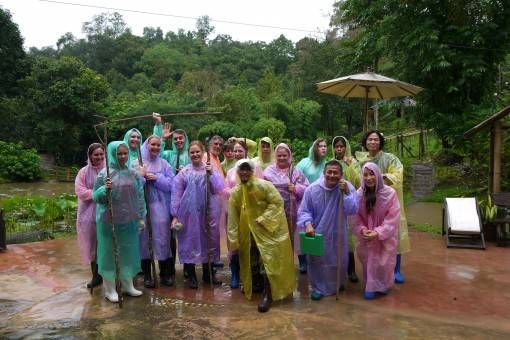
x=365, y=113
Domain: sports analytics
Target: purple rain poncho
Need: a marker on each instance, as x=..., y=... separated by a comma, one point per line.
x=128, y=208
x=320, y=206
x=159, y=193
x=378, y=256
x=188, y=205
x=281, y=179
x=86, y=214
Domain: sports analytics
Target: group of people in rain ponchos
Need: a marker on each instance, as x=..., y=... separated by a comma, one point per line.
x=167, y=197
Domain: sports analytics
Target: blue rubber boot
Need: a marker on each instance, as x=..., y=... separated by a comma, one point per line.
x=302, y=264
x=234, y=269
x=369, y=295
x=316, y=296
x=399, y=278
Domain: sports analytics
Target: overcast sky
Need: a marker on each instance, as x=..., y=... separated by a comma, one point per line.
x=42, y=23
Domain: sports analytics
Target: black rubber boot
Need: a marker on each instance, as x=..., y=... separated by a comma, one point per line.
x=97, y=279
x=234, y=269
x=257, y=283
x=302, y=264
x=189, y=268
x=206, y=277
x=164, y=273
x=351, y=268
x=148, y=281
x=266, y=300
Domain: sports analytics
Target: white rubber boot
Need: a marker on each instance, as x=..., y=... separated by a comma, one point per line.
x=110, y=293
x=129, y=289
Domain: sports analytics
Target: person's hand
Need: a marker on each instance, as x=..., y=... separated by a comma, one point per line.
x=150, y=176
x=343, y=186
x=157, y=118
x=309, y=230
x=369, y=235
x=108, y=183
x=348, y=160
x=292, y=187
x=167, y=131
x=141, y=224
x=141, y=171
x=208, y=167
x=174, y=223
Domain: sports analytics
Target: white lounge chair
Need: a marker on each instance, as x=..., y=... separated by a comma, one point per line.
x=462, y=223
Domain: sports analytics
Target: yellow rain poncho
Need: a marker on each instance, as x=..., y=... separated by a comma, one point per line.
x=393, y=170
x=256, y=210
x=352, y=172
x=259, y=160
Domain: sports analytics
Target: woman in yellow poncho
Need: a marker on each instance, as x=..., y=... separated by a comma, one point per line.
x=257, y=227
x=393, y=175
x=265, y=153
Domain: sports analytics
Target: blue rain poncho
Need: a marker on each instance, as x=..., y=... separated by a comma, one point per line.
x=312, y=168
x=171, y=155
x=128, y=209
x=133, y=152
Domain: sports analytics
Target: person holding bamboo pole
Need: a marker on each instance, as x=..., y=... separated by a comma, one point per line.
x=215, y=147
x=257, y=228
x=321, y=211
x=128, y=209
x=159, y=177
x=86, y=214
x=392, y=172
x=291, y=184
x=376, y=226
x=199, y=238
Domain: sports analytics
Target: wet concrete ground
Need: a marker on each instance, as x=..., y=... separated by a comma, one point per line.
x=449, y=293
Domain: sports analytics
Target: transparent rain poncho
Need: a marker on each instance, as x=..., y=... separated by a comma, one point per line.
x=259, y=160
x=188, y=205
x=128, y=209
x=321, y=207
x=86, y=213
x=378, y=256
x=133, y=152
x=310, y=167
x=173, y=154
x=256, y=210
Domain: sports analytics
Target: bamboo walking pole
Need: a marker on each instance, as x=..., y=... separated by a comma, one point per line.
x=339, y=251
x=208, y=213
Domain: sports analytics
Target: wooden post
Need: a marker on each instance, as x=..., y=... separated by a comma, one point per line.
x=491, y=161
x=497, y=157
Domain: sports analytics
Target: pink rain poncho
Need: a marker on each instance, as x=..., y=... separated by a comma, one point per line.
x=188, y=205
x=128, y=208
x=86, y=214
x=159, y=204
x=378, y=256
x=321, y=207
x=281, y=179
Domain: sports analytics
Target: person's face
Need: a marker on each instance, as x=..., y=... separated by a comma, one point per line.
x=369, y=178
x=282, y=158
x=122, y=155
x=340, y=149
x=266, y=149
x=215, y=147
x=154, y=146
x=245, y=173
x=239, y=152
x=322, y=148
x=228, y=154
x=332, y=175
x=373, y=142
x=179, y=141
x=195, y=153
x=97, y=156
x=134, y=140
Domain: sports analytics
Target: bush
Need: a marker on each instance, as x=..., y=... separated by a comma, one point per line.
x=270, y=127
x=17, y=163
x=221, y=128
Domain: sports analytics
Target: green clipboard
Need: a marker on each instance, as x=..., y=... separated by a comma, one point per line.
x=311, y=245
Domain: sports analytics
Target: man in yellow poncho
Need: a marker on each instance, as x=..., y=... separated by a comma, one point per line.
x=393, y=175
x=258, y=229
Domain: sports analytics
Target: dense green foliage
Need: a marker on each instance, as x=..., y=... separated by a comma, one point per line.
x=18, y=163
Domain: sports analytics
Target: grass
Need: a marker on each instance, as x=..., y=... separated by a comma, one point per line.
x=427, y=228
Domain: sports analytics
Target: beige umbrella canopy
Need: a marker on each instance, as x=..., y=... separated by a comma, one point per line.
x=368, y=85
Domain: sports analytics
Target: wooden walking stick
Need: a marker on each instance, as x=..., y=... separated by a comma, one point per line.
x=148, y=221
x=339, y=252
x=291, y=206
x=208, y=213
x=118, y=287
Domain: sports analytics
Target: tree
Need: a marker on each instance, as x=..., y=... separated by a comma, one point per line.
x=451, y=48
x=110, y=25
x=162, y=63
x=204, y=28
x=12, y=56
x=270, y=127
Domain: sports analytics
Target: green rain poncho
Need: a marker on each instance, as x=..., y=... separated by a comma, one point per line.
x=259, y=201
x=311, y=169
x=392, y=168
x=352, y=172
x=128, y=209
x=133, y=153
x=171, y=155
x=263, y=164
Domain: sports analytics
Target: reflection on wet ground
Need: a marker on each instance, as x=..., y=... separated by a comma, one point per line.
x=449, y=293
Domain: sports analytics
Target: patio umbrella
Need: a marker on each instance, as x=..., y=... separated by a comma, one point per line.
x=368, y=85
